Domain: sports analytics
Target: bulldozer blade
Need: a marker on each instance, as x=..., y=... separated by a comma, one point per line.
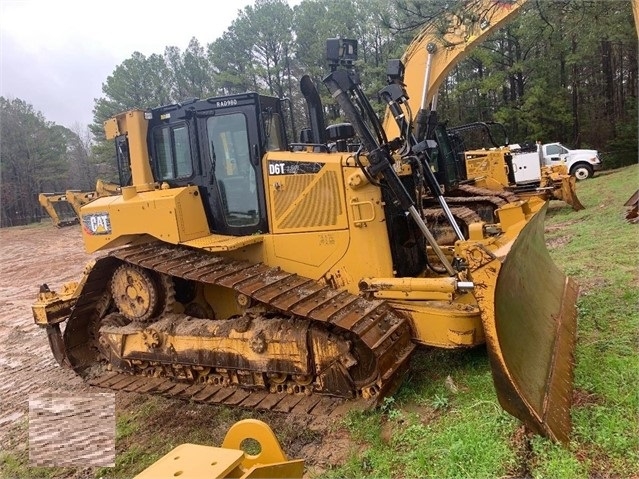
x=567, y=192
x=530, y=319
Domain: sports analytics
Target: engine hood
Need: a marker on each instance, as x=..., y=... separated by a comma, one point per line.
x=583, y=154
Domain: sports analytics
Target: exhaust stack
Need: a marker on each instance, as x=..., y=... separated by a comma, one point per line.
x=315, y=113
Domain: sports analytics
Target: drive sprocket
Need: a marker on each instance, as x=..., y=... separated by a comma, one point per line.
x=137, y=293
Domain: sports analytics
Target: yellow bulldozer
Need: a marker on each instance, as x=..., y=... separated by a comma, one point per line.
x=492, y=166
x=247, y=270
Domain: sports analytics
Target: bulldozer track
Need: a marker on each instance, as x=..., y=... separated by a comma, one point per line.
x=471, y=190
x=462, y=213
x=315, y=405
x=384, y=331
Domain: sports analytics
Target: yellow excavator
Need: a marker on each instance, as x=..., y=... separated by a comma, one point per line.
x=64, y=208
x=247, y=270
x=57, y=206
x=427, y=61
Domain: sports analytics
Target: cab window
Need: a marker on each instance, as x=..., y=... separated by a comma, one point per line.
x=275, y=142
x=173, y=152
x=555, y=150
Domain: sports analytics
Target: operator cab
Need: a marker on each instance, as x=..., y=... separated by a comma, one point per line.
x=217, y=144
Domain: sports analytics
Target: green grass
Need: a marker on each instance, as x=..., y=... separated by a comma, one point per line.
x=466, y=434
x=602, y=254
x=432, y=431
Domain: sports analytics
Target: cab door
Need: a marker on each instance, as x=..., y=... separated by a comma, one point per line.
x=234, y=175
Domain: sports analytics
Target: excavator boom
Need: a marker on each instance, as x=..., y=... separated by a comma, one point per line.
x=433, y=53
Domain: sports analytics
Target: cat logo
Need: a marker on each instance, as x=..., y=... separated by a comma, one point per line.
x=97, y=224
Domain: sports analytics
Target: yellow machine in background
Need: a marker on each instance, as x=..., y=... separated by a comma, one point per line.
x=57, y=206
x=489, y=169
x=64, y=208
x=493, y=167
x=299, y=277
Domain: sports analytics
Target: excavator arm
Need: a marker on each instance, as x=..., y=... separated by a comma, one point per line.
x=433, y=53
x=58, y=208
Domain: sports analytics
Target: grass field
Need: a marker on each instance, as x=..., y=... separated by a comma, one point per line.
x=445, y=420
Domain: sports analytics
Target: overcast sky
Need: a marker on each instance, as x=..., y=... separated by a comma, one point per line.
x=55, y=54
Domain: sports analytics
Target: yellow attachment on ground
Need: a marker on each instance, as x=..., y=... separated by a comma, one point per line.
x=192, y=461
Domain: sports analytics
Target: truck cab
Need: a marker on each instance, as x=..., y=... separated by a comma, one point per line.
x=527, y=161
x=582, y=164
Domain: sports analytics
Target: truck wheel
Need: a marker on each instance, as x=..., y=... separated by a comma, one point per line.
x=581, y=171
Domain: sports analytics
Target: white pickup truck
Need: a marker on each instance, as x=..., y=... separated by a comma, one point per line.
x=527, y=161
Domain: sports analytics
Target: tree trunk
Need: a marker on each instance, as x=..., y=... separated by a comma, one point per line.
x=575, y=99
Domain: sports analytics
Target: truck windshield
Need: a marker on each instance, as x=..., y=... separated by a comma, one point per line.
x=234, y=172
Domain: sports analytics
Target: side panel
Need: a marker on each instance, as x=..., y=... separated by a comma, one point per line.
x=305, y=192
x=526, y=166
x=484, y=163
x=319, y=226
x=172, y=215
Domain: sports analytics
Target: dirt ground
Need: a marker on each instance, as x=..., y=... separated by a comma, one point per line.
x=37, y=254
x=31, y=256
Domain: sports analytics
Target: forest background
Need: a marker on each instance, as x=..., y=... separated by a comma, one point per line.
x=563, y=70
